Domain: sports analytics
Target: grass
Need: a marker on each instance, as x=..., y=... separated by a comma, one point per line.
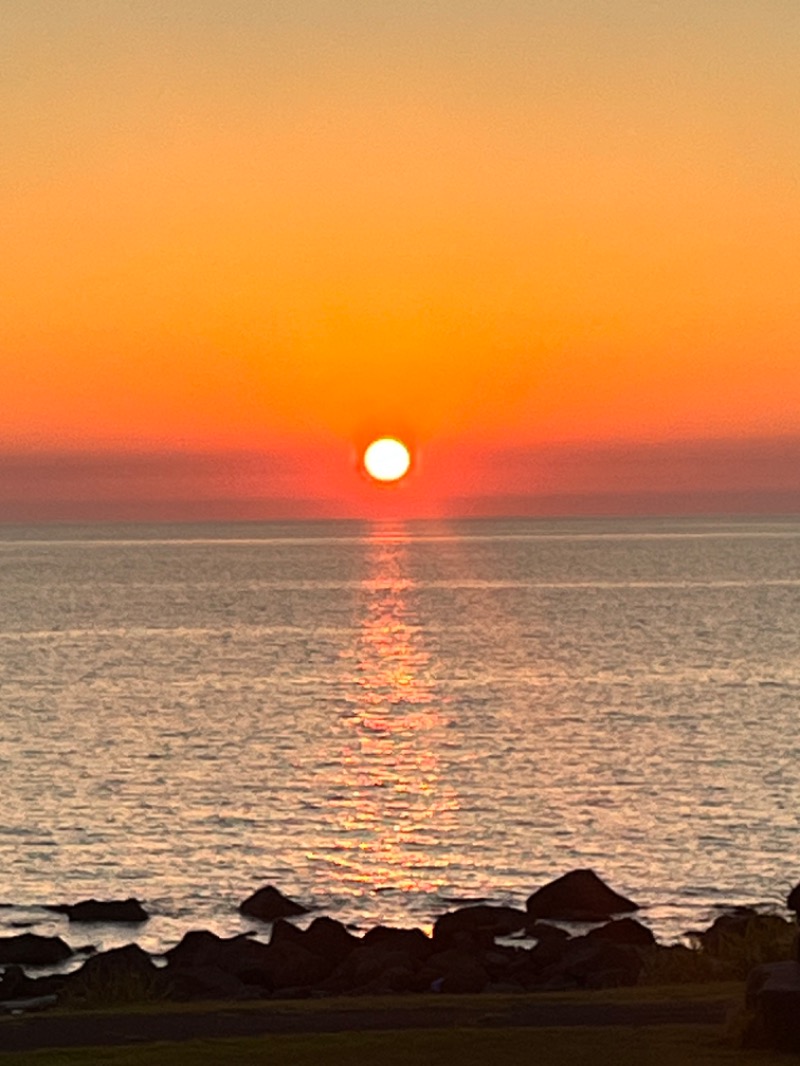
x=612, y=1046
x=479, y=1002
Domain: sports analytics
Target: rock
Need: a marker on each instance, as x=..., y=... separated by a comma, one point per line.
x=268, y=903
x=483, y=921
x=96, y=910
x=198, y=947
x=283, y=931
x=234, y=955
x=545, y=954
x=793, y=900
x=207, y=982
x=579, y=896
x=744, y=938
x=773, y=997
x=543, y=931
x=29, y=949
x=411, y=941
x=329, y=939
x=454, y=971
x=624, y=931
x=385, y=959
x=121, y=975
x=592, y=963
x=15, y=984
x=292, y=966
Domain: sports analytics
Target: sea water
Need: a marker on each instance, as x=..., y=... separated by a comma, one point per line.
x=388, y=720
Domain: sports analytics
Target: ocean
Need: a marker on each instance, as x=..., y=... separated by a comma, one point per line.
x=389, y=720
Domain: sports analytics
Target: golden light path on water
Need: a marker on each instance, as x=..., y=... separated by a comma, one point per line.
x=390, y=803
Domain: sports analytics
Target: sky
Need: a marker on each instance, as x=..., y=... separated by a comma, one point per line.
x=552, y=244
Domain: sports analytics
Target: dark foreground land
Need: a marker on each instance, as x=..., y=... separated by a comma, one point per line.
x=659, y=1026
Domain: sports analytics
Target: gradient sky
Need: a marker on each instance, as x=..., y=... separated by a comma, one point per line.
x=500, y=228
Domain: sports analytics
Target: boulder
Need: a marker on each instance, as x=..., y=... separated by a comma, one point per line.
x=268, y=904
x=544, y=931
x=200, y=948
x=591, y=963
x=329, y=939
x=385, y=959
x=283, y=931
x=578, y=896
x=286, y=965
x=15, y=984
x=454, y=971
x=793, y=900
x=29, y=949
x=483, y=921
x=743, y=938
x=386, y=938
x=121, y=975
x=96, y=910
x=207, y=982
x=624, y=931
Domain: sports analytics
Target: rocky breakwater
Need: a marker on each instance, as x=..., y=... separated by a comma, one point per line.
x=471, y=949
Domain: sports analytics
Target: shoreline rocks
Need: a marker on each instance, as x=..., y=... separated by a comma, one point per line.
x=462, y=954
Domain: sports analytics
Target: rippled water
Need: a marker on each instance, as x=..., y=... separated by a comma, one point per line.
x=383, y=720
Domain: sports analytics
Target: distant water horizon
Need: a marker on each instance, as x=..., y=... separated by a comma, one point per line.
x=386, y=719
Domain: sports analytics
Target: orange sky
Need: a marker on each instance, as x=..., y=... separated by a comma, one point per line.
x=278, y=228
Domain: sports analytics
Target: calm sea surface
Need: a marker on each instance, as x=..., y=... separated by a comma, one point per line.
x=385, y=721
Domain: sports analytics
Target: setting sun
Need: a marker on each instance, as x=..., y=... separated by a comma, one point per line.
x=387, y=459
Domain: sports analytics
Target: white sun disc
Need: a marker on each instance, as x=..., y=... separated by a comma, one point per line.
x=387, y=459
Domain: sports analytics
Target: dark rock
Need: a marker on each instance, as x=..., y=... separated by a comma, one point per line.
x=730, y=935
x=283, y=931
x=330, y=940
x=29, y=949
x=96, y=910
x=365, y=967
x=543, y=931
x=268, y=903
x=454, y=971
x=121, y=975
x=411, y=941
x=592, y=963
x=773, y=997
x=579, y=896
x=546, y=953
x=793, y=900
x=624, y=931
x=15, y=984
x=207, y=982
x=200, y=948
x=483, y=921
x=385, y=959
x=287, y=965
x=283, y=963
x=501, y=962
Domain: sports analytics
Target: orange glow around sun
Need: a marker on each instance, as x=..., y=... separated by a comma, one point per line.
x=387, y=459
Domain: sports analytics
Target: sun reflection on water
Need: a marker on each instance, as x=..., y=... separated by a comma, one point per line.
x=390, y=804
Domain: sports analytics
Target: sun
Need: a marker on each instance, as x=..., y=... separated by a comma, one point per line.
x=387, y=459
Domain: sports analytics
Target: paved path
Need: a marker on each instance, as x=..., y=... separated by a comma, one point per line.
x=78, y=1030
